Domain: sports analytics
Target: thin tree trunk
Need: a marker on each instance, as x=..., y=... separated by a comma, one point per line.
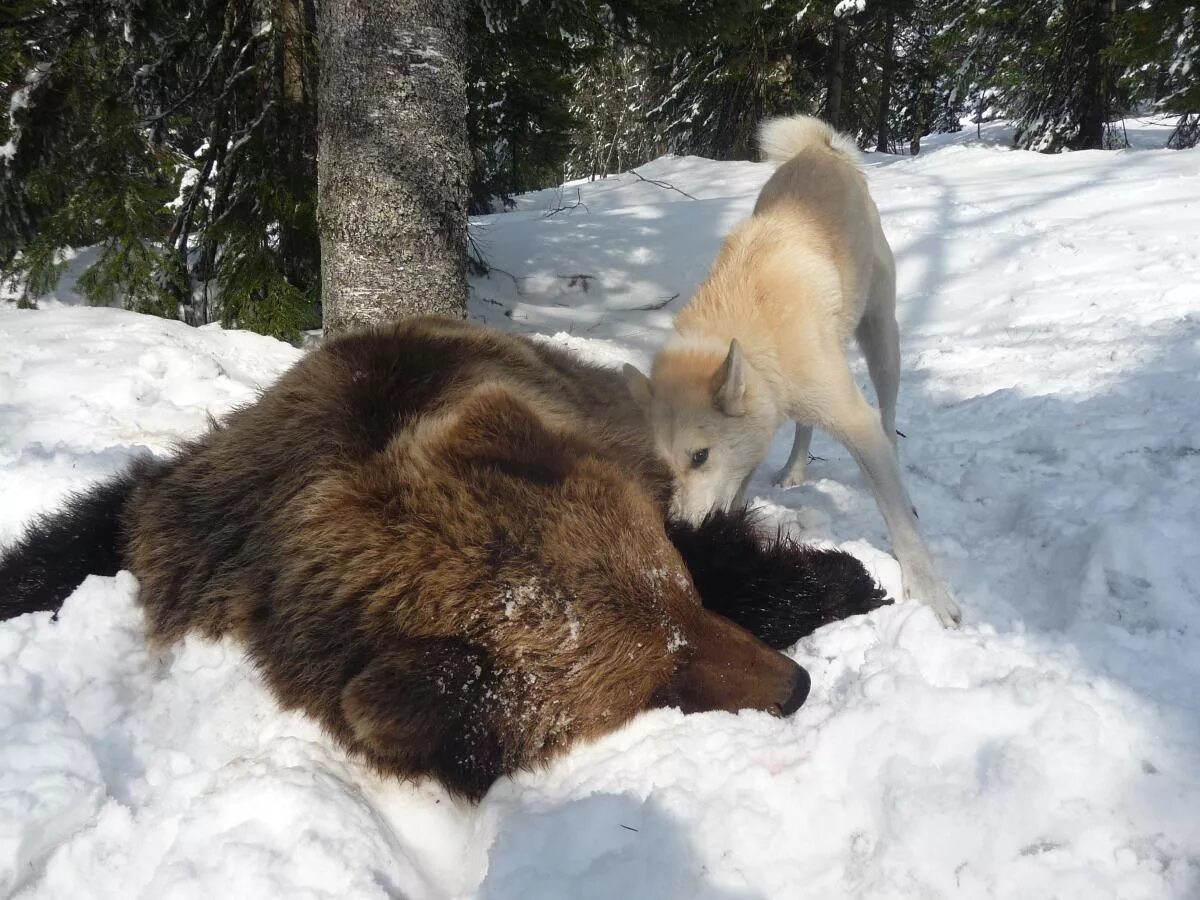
x=1092, y=113
x=612, y=148
x=883, y=114
x=837, y=72
x=1186, y=133
x=291, y=26
x=298, y=248
x=922, y=118
x=393, y=161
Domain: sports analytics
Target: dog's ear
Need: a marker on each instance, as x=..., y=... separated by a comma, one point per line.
x=639, y=385
x=729, y=383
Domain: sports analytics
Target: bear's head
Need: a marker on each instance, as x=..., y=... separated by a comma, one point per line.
x=534, y=600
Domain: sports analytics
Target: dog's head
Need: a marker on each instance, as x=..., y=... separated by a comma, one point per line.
x=711, y=418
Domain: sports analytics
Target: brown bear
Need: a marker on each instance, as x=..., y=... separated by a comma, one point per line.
x=450, y=546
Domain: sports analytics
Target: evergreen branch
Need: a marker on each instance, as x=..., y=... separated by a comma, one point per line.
x=237, y=73
x=187, y=97
x=183, y=221
x=246, y=133
x=13, y=22
x=476, y=255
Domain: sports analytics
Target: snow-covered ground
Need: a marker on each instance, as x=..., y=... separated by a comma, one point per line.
x=1050, y=314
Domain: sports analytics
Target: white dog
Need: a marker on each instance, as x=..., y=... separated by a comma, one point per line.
x=763, y=342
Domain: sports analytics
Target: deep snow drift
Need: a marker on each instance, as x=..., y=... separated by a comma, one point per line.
x=1050, y=317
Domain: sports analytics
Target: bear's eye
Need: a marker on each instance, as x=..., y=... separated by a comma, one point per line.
x=699, y=458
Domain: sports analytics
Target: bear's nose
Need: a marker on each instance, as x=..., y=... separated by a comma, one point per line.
x=799, y=694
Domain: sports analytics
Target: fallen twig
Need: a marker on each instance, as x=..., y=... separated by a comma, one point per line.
x=579, y=278
x=661, y=184
x=649, y=307
x=516, y=280
x=578, y=203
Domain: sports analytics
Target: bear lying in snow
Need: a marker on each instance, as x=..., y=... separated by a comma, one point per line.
x=449, y=546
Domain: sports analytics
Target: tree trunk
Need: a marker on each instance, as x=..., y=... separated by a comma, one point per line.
x=883, y=115
x=1186, y=134
x=837, y=72
x=298, y=251
x=1092, y=113
x=393, y=160
x=612, y=148
x=292, y=27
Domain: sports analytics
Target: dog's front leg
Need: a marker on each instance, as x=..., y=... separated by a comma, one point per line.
x=792, y=473
x=856, y=424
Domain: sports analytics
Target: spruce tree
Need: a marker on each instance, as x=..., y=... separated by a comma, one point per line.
x=179, y=138
x=1158, y=48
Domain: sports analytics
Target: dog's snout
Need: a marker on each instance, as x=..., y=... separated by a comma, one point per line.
x=800, y=686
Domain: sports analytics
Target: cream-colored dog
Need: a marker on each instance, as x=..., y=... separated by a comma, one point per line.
x=764, y=342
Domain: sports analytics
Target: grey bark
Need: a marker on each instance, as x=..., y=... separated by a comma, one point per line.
x=393, y=160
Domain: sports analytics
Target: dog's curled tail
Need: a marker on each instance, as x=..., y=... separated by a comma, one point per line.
x=781, y=139
x=60, y=549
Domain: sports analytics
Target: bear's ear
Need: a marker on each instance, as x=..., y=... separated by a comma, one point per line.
x=420, y=710
x=640, y=387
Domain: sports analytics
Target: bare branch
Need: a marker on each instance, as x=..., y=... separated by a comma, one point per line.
x=650, y=307
x=662, y=184
x=578, y=203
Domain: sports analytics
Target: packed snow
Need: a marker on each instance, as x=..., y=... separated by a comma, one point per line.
x=1050, y=319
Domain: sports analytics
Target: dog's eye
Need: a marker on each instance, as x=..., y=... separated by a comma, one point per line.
x=699, y=458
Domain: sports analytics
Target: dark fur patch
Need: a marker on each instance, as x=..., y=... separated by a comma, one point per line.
x=59, y=550
x=776, y=589
x=418, y=707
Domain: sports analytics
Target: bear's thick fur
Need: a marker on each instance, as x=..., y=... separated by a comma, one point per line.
x=449, y=546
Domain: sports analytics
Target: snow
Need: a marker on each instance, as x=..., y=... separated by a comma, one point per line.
x=18, y=101
x=1050, y=319
x=73, y=262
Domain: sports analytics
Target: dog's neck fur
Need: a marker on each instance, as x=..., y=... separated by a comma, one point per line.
x=745, y=296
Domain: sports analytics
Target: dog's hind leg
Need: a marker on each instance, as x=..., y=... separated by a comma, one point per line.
x=792, y=473
x=853, y=421
x=879, y=339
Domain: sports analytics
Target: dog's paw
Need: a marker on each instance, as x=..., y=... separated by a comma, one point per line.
x=929, y=591
x=789, y=478
x=947, y=613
